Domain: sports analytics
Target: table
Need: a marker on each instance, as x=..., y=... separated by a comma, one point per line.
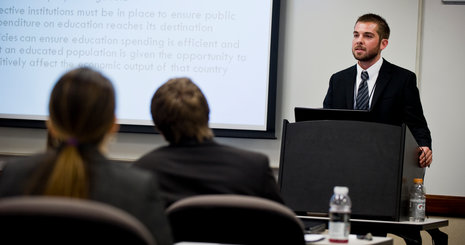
x=353, y=240
x=409, y=231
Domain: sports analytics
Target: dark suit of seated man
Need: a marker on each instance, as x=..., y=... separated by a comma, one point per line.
x=194, y=163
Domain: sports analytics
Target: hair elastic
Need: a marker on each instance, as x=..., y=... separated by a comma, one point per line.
x=72, y=141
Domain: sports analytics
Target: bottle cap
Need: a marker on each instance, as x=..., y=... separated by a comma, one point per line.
x=341, y=190
x=418, y=181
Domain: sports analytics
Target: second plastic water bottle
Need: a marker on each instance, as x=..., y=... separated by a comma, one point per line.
x=339, y=215
x=417, y=201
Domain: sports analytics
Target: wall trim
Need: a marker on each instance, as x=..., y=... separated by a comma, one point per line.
x=447, y=206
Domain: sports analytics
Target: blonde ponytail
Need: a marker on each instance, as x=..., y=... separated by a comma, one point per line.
x=69, y=175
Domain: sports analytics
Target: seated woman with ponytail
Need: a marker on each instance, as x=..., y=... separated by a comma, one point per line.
x=81, y=120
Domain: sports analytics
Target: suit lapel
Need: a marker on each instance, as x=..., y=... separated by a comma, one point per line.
x=350, y=88
x=383, y=79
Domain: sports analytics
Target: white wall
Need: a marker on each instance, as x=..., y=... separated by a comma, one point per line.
x=442, y=88
x=315, y=42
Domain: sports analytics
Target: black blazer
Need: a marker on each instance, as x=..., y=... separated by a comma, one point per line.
x=192, y=168
x=396, y=99
x=132, y=190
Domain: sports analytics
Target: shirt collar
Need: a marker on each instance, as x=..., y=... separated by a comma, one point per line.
x=372, y=70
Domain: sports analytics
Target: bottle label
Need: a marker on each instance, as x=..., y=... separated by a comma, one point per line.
x=339, y=227
x=417, y=210
x=420, y=206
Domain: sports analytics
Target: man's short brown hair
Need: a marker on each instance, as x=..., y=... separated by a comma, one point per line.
x=180, y=111
x=383, y=27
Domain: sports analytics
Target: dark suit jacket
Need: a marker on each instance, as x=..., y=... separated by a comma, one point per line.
x=192, y=168
x=132, y=190
x=396, y=99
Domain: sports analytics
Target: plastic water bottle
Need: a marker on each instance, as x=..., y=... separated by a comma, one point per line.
x=417, y=201
x=339, y=215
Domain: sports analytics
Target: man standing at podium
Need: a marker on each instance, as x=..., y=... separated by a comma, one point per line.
x=388, y=91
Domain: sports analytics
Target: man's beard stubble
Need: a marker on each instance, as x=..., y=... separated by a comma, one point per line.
x=367, y=57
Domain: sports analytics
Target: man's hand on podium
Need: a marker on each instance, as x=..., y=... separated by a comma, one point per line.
x=426, y=156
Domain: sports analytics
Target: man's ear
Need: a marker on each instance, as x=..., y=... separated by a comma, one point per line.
x=384, y=43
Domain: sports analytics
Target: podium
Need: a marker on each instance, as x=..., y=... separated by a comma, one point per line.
x=378, y=163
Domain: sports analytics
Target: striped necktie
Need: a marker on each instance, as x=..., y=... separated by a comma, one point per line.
x=362, y=94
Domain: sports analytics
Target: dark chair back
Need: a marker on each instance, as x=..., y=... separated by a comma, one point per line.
x=57, y=220
x=234, y=219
